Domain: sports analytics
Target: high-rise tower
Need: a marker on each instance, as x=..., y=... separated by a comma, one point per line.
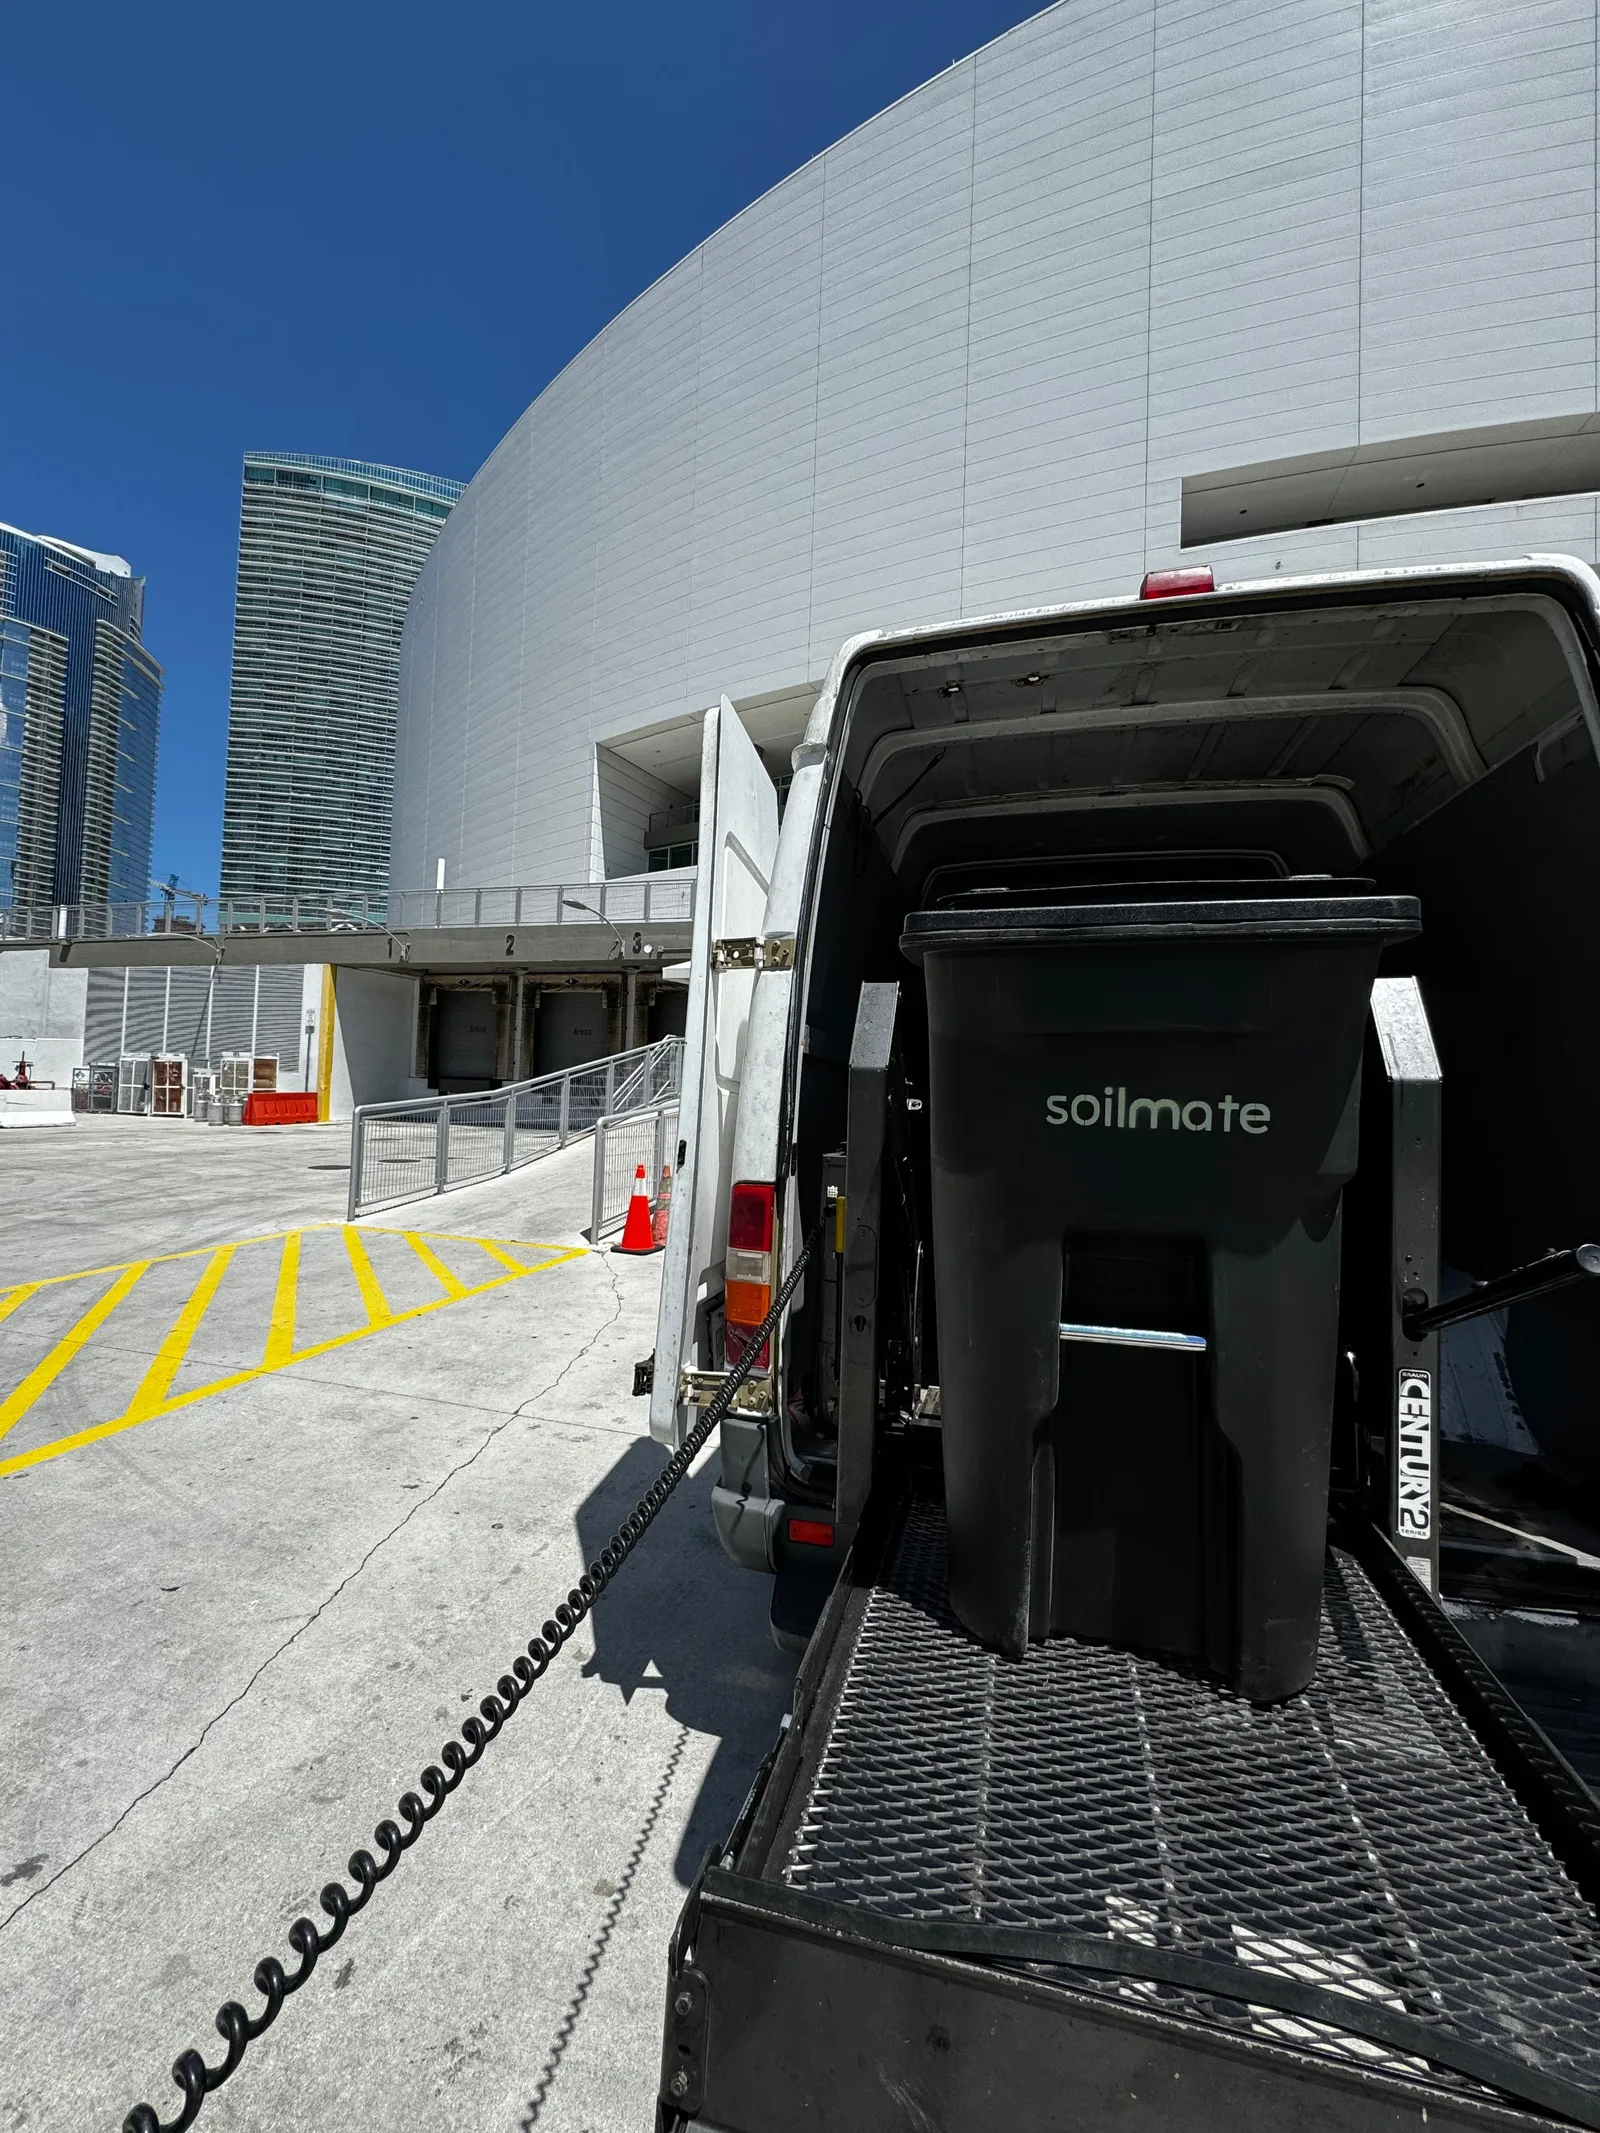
x=80, y=719
x=328, y=552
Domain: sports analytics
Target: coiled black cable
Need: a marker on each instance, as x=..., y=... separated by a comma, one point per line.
x=235, y=2026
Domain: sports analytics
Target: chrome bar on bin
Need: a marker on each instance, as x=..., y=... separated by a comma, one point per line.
x=1133, y=1337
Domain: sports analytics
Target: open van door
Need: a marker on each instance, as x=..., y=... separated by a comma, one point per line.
x=738, y=845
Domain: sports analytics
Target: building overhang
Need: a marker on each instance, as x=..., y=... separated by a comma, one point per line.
x=424, y=950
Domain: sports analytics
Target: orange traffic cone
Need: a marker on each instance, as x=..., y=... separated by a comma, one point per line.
x=637, y=1235
x=663, y=1206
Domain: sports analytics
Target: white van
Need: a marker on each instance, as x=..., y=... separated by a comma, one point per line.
x=1433, y=729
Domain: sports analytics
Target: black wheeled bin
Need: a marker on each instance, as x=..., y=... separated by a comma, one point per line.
x=1143, y=1111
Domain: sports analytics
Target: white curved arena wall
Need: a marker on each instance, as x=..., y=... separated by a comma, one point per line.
x=966, y=360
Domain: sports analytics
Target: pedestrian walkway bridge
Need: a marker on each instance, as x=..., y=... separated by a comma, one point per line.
x=645, y=919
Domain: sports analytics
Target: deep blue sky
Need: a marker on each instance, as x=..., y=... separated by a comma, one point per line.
x=372, y=230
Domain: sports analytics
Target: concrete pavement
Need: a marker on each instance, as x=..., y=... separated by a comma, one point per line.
x=236, y=1632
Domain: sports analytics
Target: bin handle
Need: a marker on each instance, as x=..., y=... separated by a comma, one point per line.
x=1134, y=1337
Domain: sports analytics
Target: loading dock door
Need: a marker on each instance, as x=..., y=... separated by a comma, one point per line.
x=570, y=1030
x=464, y=1042
x=669, y=1013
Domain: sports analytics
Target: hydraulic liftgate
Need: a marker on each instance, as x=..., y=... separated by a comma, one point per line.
x=1087, y=1889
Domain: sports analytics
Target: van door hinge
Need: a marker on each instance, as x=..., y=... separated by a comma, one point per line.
x=697, y=1388
x=683, y=2057
x=746, y=952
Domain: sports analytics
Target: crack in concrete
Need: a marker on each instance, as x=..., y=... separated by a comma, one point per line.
x=323, y=1605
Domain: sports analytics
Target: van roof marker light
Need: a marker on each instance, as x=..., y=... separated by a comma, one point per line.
x=1177, y=584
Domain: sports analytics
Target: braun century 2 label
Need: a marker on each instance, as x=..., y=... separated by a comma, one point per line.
x=1413, y=1503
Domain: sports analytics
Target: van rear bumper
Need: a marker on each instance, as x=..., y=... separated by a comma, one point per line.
x=747, y=1526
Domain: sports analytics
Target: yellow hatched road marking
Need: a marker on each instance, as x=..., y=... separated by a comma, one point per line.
x=435, y=1265
x=19, y=1296
x=267, y=1236
x=130, y=1418
x=194, y=1251
x=487, y=1244
x=43, y=1375
x=378, y=1312
x=157, y=1382
x=280, y=1333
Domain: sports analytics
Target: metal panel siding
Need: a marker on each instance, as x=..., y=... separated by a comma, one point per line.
x=965, y=359
x=488, y=792
x=1255, y=239
x=1565, y=525
x=756, y=436
x=102, y=1017
x=644, y=535
x=555, y=759
x=891, y=385
x=1060, y=216
x=1478, y=214
x=147, y=993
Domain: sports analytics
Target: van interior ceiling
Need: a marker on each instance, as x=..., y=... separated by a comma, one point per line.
x=1441, y=746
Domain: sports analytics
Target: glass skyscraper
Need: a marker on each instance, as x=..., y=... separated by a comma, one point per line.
x=80, y=720
x=328, y=552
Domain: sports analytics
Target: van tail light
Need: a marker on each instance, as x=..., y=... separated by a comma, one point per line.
x=747, y=1290
x=1174, y=584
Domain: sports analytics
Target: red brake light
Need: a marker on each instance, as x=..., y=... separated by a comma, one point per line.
x=1174, y=584
x=750, y=1217
x=747, y=1287
x=811, y=1532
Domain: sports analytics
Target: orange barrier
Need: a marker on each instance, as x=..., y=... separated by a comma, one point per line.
x=281, y=1107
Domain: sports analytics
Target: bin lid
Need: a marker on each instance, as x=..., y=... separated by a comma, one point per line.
x=1287, y=909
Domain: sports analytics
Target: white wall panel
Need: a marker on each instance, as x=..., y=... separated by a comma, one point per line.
x=1060, y=256
x=644, y=530
x=1478, y=213
x=761, y=293
x=1255, y=239
x=1562, y=525
x=892, y=361
x=554, y=762
x=964, y=361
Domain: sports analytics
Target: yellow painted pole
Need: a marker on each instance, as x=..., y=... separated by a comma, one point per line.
x=325, y=1046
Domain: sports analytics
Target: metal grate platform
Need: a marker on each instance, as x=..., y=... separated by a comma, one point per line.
x=1357, y=1837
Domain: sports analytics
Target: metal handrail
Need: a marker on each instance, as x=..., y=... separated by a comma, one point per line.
x=606, y=1212
x=465, y=1125
x=643, y=900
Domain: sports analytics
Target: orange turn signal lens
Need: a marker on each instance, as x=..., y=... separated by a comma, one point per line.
x=746, y=1303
